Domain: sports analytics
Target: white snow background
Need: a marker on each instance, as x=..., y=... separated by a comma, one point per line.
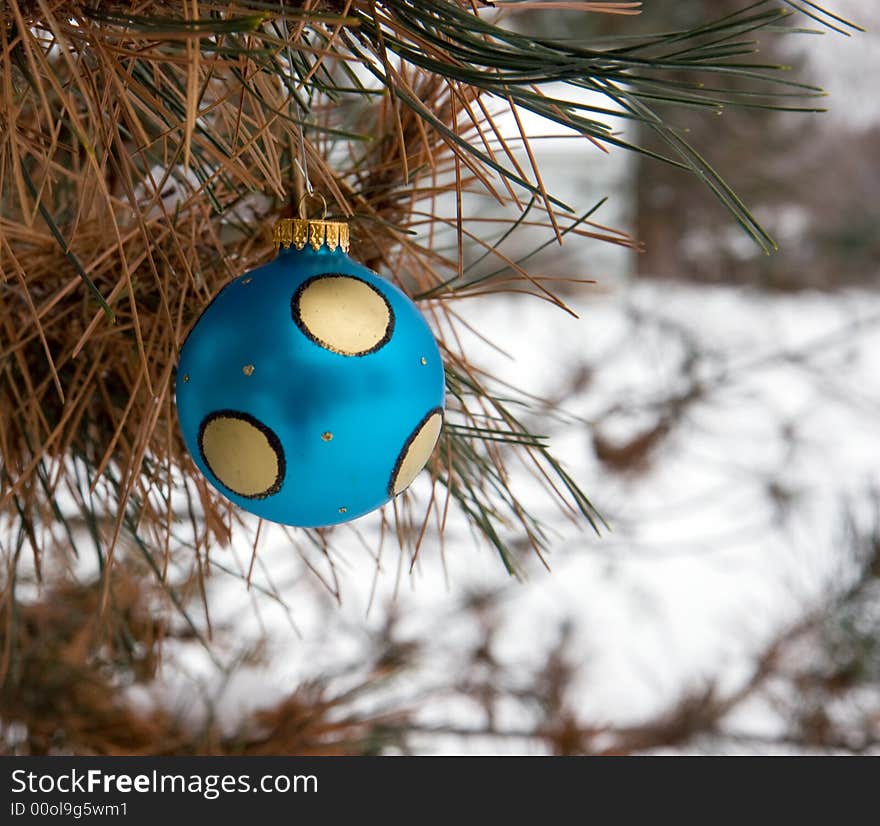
x=699, y=568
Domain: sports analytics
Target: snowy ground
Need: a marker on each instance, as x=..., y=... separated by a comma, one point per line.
x=730, y=533
x=702, y=563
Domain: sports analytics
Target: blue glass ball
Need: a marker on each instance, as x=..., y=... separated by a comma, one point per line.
x=311, y=390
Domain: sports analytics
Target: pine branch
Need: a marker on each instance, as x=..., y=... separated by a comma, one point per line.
x=156, y=149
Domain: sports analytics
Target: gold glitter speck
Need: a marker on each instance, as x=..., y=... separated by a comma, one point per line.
x=185, y=378
x=423, y=360
x=248, y=369
x=326, y=435
x=343, y=510
x=247, y=280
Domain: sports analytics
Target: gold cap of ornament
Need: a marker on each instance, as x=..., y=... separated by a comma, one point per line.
x=316, y=232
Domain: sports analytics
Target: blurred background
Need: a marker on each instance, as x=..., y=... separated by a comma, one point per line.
x=719, y=405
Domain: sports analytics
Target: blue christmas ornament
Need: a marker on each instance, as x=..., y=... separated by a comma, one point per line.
x=311, y=390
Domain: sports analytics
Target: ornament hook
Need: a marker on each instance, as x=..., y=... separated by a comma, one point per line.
x=317, y=196
x=316, y=232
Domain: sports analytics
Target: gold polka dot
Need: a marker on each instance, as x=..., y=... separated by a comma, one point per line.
x=343, y=314
x=242, y=453
x=327, y=436
x=248, y=369
x=185, y=378
x=423, y=360
x=416, y=452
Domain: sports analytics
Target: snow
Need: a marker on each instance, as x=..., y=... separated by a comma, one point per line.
x=728, y=535
x=732, y=531
x=701, y=565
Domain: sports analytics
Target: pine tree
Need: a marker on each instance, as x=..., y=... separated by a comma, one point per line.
x=147, y=150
